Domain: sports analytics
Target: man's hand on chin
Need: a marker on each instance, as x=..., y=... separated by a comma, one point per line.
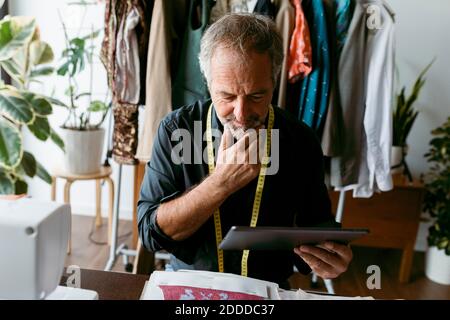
x=328, y=260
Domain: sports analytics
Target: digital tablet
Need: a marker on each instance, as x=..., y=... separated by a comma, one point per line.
x=285, y=238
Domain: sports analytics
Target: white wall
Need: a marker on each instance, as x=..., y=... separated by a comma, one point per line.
x=46, y=14
x=423, y=32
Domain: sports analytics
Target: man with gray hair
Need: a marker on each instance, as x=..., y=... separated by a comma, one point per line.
x=185, y=207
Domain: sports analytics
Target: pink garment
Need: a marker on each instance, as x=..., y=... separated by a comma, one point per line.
x=300, y=51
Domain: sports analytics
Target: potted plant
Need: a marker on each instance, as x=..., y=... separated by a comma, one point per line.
x=83, y=135
x=404, y=116
x=23, y=56
x=437, y=204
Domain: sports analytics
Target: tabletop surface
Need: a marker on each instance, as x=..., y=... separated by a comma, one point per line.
x=111, y=285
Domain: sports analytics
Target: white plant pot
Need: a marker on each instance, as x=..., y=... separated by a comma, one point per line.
x=84, y=150
x=437, y=267
x=396, y=158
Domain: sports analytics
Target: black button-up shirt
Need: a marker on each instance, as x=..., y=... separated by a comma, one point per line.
x=295, y=196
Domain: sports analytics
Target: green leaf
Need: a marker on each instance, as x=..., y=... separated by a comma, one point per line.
x=15, y=32
x=20, y=186
x=42, y=173
x=73, y=57
x=404, y=114
x=78, y=43
x=10, y=145
x=56, y=102
x=40, y=53
x=57, y=140
x=92, y=35
x=15, y=106
x=69, y=91
x=14, y=70
x=39, y=104
x=42, y=71
x=40, y=128
x=6, y=183
x=62, y=70
x=28, y=164
x=97, y=106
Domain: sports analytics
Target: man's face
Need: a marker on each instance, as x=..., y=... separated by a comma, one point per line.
x=241, y=91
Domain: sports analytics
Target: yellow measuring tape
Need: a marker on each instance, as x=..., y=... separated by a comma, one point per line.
x=258, y=194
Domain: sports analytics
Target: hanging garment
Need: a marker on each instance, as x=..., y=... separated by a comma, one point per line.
x=265, y=7
x=163, y=42
x=176, y=16
x=285, y=20
x=144, y=9
x=124, y=45
x=222, y=7
x=344, y=14
x=189, y=85
x=158, y=84
x=251, y=5
x=339, y=14
x=126, y=23
x=125, y=132
x=314, y=88
x=300, y=51
x=114, y=11
x=218, y=10
x=366, y=72
x=127, y=75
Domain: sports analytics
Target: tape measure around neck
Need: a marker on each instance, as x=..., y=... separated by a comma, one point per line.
x=258, y=193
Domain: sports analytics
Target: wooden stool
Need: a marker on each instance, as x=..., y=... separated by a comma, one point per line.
x=103, y=174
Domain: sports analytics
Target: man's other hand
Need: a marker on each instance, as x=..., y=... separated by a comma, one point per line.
x=328, y=260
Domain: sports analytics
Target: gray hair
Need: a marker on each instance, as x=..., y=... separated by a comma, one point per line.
x=242, y=32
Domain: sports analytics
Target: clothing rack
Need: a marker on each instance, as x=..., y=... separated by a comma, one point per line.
x=122, y=249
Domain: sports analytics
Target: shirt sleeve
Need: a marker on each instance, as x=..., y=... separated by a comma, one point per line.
x=161, y=183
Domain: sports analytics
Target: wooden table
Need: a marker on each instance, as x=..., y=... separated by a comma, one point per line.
x=111, y=285
x=393, y=219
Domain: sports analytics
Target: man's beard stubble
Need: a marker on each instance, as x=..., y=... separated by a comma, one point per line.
x=238, y=131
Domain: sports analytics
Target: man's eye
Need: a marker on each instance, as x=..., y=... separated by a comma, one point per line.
x=257, y=97
x=228, y=98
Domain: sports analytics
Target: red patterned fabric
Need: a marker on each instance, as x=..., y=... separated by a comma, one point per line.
x=193, y=293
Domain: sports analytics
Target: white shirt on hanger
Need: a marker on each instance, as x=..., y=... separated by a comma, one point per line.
x=251, y=5
x=243, y=6
x=370, y=169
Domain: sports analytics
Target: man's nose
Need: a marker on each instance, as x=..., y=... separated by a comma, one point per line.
x=240, y=110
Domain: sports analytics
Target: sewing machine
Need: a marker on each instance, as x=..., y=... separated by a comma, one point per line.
x=33, y=245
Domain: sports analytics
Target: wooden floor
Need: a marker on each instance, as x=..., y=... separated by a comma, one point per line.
x=352, y=283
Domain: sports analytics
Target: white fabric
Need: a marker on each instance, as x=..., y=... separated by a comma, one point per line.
x=226, y=282
x=376, y=142
x=285, y=21
x=251, y=5
x=237, y=6
x=128, y=84
x=158, y=99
